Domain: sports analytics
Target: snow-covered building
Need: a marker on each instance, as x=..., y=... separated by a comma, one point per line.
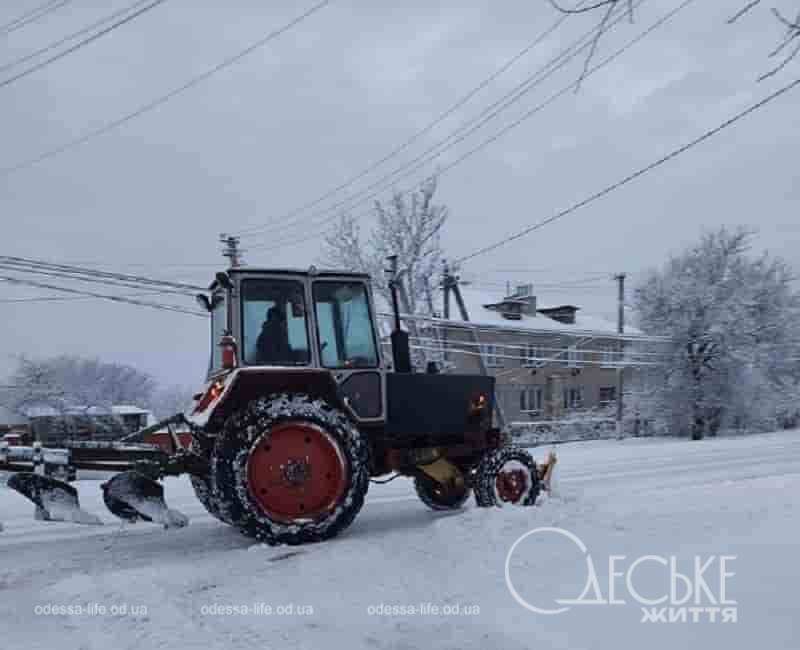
x=549, y=360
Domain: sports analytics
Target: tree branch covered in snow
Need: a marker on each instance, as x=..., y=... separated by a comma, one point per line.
x=731, y=319
x=408, y=228
x=67, y=384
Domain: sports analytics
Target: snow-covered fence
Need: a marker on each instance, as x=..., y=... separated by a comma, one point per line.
x=541, y=432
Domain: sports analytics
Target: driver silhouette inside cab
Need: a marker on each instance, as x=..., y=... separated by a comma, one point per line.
x=272, y=345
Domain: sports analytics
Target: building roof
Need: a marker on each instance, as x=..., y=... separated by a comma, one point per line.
x=475, y=301
x=49, y=411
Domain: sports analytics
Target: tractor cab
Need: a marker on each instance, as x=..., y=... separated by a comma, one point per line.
x=309, y=330
x=311, y=319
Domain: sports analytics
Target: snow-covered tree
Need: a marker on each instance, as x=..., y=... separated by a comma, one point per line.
x=169, y=400
x=69, y=384
x=408, y=227
x=732, y=321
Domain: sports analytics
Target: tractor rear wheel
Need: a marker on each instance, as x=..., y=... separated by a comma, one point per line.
x=506, y=476
x=204, y=487
x=290, y=469
x=437, y=498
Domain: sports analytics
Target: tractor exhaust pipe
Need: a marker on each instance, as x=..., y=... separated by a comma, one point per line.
x=401, y=351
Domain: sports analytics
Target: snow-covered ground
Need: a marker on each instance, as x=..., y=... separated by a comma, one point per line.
x=208, y=587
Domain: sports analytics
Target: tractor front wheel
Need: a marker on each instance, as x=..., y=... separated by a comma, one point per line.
x=436, y=497
x=291, y=469
x=506, y=476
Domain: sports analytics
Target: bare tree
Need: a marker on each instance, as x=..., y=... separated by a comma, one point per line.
x=406, y=227
x=730, y=320
x=789, y=44
x=608, y=7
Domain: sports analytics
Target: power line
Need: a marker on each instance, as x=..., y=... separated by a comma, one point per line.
x=131, y=301
x=90, y=279
x=640, y=172
x=23, y=264
x=456, y=136
x=497, y=135
x=464, y=99
x=38, y=299
x=583, y=280
x=79, y=44
x=145, y=108
x=436, y=322
x=32, y=16
x=552, y=269
x=73, y=35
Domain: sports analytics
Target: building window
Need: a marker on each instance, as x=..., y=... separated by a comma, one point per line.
x=531, y=400
x=609, y=357
x=574, y=356
x=530, y=353
x=491, y=356
x=573, y=397
x=608, y=394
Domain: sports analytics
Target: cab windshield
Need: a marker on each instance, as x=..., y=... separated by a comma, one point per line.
x=344, y=325
x=274, y=329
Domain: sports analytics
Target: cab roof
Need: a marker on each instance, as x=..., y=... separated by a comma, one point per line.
x=308, y=272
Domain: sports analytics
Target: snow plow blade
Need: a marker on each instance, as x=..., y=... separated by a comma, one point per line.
x=132, y=496
x=547, y=471
x=54, y=499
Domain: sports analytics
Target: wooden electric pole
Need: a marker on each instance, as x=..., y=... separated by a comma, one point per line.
x=231, y=249
x=450, y=285
x=620, y=278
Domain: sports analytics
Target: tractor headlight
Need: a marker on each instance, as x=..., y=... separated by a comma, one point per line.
x=478, y=405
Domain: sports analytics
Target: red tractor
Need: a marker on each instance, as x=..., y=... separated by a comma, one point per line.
x=300, y=412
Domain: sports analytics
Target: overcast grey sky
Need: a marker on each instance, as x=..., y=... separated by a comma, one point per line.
x=337, y=92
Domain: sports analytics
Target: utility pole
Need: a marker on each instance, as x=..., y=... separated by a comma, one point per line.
x=445, y=306
x=446, y=286
x=231, y=249
x=620, y=278
x=450, y=284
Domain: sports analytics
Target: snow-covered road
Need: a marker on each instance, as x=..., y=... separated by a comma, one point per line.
x=403, y=577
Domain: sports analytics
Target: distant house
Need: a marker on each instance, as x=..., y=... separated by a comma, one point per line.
x=13, y=427
x=549, y=361
x=51, y=426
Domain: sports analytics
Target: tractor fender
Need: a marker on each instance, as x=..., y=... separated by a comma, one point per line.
x=225, y=394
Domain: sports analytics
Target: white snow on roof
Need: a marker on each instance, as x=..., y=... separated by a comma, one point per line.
x=41, y=411
x=474, y=301
x=49, y=411
x=126, y=409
